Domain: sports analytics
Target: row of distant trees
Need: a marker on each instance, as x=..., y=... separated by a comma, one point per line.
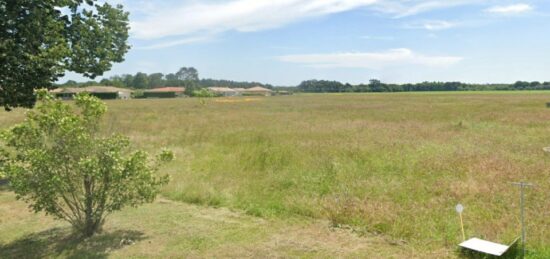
x=325, y=86
x=185, y=77
x=188, y=77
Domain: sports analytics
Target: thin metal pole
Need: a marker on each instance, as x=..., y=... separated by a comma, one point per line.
x=462, y=226
x=522, y=222
x=522, y=186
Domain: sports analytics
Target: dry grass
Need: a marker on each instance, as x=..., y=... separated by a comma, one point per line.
x=167, y=229
x=395, y=164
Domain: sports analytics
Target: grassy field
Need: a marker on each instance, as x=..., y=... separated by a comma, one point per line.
x=394, y=165
x=168, y=229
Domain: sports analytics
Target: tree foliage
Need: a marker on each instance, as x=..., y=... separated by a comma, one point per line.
x=374, y=85
x=188, y=74
x=156, y=80
x=141, y=81
x=187, y=77
x=57, y=161
x=231, y=84
x=40, y=40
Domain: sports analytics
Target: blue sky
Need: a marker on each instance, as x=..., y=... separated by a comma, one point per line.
x=286, y=41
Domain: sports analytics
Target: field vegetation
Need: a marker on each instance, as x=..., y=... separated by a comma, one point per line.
x=394, y=165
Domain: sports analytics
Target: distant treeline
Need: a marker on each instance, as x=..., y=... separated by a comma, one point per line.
x=324, y=86
x=230, y=84
x=186, y=77
x=189, y=77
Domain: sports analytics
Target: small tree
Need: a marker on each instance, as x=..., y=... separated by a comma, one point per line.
x=188, y=74
x=141, y=81
x=57, y=161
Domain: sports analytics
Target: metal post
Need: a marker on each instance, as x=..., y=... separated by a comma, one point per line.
x=462, y=227
x=522, y=186
x=459, y=209
x=522, y=221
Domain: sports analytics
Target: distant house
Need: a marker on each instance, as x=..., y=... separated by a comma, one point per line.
x=102, y=92
x=240, y=90
x=224, y=91
x=164, y=92
x=258, y=91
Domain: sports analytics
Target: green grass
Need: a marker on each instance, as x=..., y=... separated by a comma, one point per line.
x=394, y=164
x=167, y=229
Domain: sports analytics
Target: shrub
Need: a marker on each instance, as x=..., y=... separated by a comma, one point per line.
x=138, y=94
x=57, y=161
x=204, y=93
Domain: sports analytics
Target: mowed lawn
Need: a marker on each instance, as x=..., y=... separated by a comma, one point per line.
x=394, y=165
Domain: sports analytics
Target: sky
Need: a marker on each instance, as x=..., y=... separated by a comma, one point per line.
x=283, y=42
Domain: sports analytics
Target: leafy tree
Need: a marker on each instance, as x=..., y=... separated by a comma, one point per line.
x=40, y=40
x=521, y=85
x=188, y=74
x=89, y=83
x=105, y=81
x=71, y=83
x=128, y=80
x=141, y=81
x=188, y=77
x=57, y=161
x=375, y=85
x=191, y=88
x=534, y=84
x=117, y=81
x=156, y=80
x=321, y=86
x=232, y=84
x=172, y=80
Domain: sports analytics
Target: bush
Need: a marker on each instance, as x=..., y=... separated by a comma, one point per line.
x=204, y=93
x=57, y=161
x=138, y=94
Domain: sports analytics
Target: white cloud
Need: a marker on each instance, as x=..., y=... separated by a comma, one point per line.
x=371, y=60
x=239, y=15
x=438, y=25
x=190, y=17
x=369, y=37
x=405, y=8
x=510, y=9
x=435, y=25
x=172, y=43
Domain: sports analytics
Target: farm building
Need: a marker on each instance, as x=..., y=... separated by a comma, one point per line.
x=224, y=91
x=258, y=91
x=102, y=92
x=164, y=92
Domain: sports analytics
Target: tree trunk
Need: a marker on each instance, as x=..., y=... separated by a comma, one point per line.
x=91, y=224
x=90, y=228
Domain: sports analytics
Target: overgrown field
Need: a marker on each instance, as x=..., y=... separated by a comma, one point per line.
x=394, y=164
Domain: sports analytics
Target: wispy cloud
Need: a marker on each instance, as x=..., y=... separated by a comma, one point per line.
x=435, y=25
x=172, y=43
x=510, y=9
x=405, y=8
x=238, y=15
x=370, y=37
x=371, y=60
x=192, y=18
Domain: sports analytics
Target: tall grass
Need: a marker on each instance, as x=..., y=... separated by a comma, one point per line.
x=389, y=163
